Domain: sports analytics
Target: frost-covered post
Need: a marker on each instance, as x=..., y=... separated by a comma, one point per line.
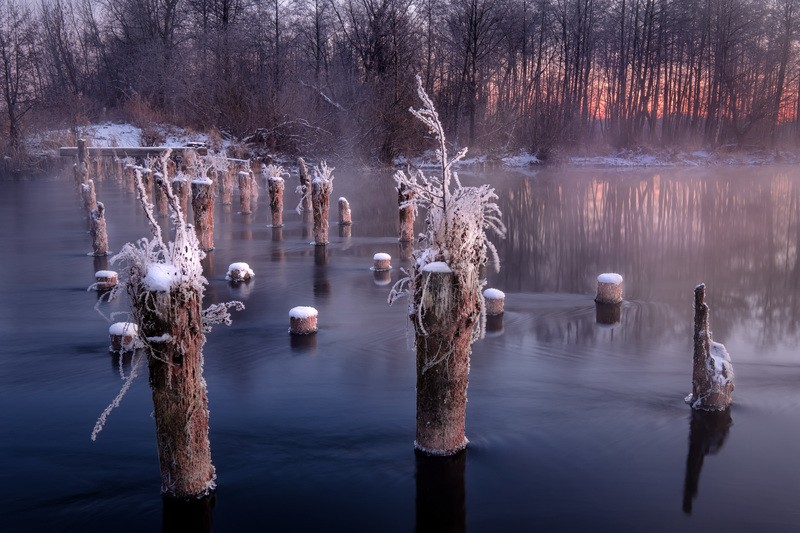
x=97, y=229
x=89, y=196
x=304, y=189
x=712, y=373
x=82, y=167
x=203, y=209
x=180, y=189
x=405, y=200
x=345, y=215
x=160, y=193
x=129, y=177
x=321, y=189
x=275, y=185
x=225, y=178
x=447, y=307
x=244, y=192
x=165, y=285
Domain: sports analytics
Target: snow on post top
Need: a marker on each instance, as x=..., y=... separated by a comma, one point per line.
x=380, y=256
x=161, y=277
x=301, y=312
x=202, y=181
x=105, y=274
x=494, y=294
x=609, y=277
x=439, y=267
x=123, y=328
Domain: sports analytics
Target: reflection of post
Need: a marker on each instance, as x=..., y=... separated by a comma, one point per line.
x=441, y=493
x=187, y=515
x=707, y=433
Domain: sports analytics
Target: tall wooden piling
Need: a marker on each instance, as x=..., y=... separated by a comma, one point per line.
x=405, y=199
x=305, y=189
x=244, y=192
x=89, y=197
x=276, y=185
x=225, y=178
x=345, y=215
x=443, y=340
x=97, y=229
x=321, y=189
x=712, y=373
x=203, y=208
x=180, y=188
x=160, y=193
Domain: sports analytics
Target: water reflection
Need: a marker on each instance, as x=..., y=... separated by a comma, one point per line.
x=322, y=283
x=382, y=277
x=303, y=343
x=179, y=516
x=608, y=314
x=741, y=235
x=707, y=433
x=441, y=493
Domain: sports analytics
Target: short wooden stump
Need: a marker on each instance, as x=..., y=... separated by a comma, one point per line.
x=105, y=280
x=123, y=337
x=609, y=288
x=239, y=272
x=495, y=301
x=302, y=320
x=381, y=262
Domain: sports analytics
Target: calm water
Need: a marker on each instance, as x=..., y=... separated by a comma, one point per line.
x=573, y=426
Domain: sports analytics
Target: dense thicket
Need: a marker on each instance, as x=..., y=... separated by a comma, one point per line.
x=337, y=75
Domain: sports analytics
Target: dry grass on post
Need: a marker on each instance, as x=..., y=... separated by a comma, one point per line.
x=446, y=305
x=321, y=189
x=97, y=229
x=273, y=177
x=165, y=285
x=712, y=372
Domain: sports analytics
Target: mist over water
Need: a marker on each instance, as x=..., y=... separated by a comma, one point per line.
x=573, y=424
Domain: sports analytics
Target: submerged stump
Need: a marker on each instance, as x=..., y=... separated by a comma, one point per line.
x=443, y=323
x=712, y=373
x=203, y=209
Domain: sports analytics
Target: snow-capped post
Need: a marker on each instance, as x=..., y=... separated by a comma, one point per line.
x=273, y=175
x=495, y=302
x=381, y=262
x=124, y=337
x=345, y=215
x=447, y=307
x=203, y=209
x=405, y=200
x=609, y=288
x=712, y=373
x=304, y=189
x=321, y=189
x=239, y=272
x=165, y=285
x=302, y=320
x=105, y=280
x=244, y=192
x=180, y=189
x=97, y=229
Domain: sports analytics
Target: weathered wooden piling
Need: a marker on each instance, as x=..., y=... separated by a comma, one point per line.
x=443, y=340
x=180, y=188
x=305, y=189
x=609, y=288
x=239, y=272
x=160, y=193
x=405, y=199
x=244, y=192
x=276, y=185
x=225, y=178
x=345, y=215
x=97, y=229
x=105, y=280
x=203, y=208
x=82, y=165
x=254, y=193
x=89, y=197
x=302, y=320
x=321, y=189
x=124, y=336
x=129, y=178
x=712, y=373
x=495, y=301
x=381, y=261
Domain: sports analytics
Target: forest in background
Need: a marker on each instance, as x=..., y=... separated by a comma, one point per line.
x=337, y=76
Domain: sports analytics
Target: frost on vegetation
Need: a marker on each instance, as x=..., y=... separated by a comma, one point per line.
x=158, y=274
x=274, y=172
x=323, y=177
x=723, y=370
x=457, y=219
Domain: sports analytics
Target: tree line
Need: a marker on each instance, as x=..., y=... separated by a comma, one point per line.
x=338, y=75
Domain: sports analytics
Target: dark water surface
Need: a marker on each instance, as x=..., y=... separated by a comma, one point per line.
x=573, y=426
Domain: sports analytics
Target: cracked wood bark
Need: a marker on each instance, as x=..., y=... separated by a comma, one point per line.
x=448, y=316
x=707, y=393
x=244, y=193
x=276, y=186
x=203, y=209
x=321, y=200
x=97, y=229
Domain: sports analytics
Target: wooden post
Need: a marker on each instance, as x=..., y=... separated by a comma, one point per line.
x=97, y=229
x=89, y=196
x=275, y=184
x=609, y=288
x=82, y=168
x=160, y=193
x=345, y=216
x=305, y=189
x=253, y=190
x=321, y=200
x=225, y=178
x=171, y=321
x=123, y=337
x=239, y=272
x=203, y=208
x=712, y=373
x=105, y=280
x=443, y=326
x=180, y=188
x=147, y=182
x=302, y=320
x=405, y=199
x=129, y=178
x=244, y=193
x=495, y=301
x=381, y=262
